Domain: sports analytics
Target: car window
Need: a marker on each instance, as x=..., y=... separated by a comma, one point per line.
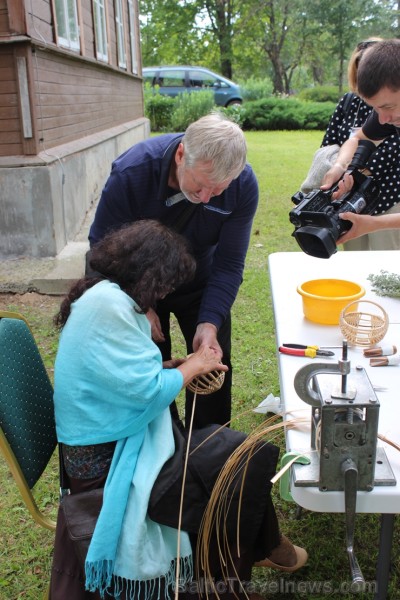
x=205, y=80
x=172, y=78
x=148, y=76
x=201, y=79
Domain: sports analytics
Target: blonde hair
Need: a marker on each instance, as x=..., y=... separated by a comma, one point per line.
x=355, y=59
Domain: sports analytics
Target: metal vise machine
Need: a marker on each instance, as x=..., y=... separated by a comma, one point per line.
x=344, y=433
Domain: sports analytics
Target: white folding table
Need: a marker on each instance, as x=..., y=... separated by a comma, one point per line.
x=287, y=270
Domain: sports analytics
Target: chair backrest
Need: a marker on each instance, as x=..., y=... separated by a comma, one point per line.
x=27, y=423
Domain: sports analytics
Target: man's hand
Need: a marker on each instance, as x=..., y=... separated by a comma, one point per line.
x=206, y=334
x=362, y=224
x=156, y=331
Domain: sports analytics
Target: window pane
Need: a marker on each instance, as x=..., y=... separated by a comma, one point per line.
x=119, y=21
x=172, y=78
x=200, y=79
x=67, y=24
x=100, y=29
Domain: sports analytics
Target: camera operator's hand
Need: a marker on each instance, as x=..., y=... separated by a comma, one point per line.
x=362, y=224
x=343, y=186
x=332, y=176
x=336, y=172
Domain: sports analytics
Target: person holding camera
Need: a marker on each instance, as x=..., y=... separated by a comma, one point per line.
x=197, y=183
x=378, y=83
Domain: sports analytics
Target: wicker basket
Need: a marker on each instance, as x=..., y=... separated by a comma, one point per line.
x=207, y=384
x=364, y=327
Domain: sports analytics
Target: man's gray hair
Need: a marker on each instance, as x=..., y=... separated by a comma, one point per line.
x=216, y=139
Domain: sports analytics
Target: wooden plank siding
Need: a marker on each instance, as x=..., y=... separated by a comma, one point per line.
x=4, y=25
x=10, y=126
x=88, y=25
x=51, y=95
x=40, y=22
x=4, y=22
x=75, y=99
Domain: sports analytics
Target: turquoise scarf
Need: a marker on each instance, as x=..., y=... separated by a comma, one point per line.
x=110, y=385
x=143, y=556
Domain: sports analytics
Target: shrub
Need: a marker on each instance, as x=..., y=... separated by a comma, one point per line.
x=255, y=88
x=189, y=107
x=235, y=112
x=157, y=108
x=286, y=114
x=321, y=93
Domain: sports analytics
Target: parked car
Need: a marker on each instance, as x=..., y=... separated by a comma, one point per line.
x=177, y=79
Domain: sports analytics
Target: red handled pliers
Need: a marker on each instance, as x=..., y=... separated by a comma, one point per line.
x=302, y=350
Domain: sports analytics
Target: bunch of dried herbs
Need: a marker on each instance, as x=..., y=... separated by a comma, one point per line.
x=386, y=284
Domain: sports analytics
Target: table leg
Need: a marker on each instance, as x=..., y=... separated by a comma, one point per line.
x=384, y=556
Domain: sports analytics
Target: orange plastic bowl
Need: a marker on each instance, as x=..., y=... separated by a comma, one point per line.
x=324, y=299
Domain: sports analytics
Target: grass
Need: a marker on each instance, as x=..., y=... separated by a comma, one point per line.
x=281, y=161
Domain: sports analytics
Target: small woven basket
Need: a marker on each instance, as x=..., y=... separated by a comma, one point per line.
x=207, y=384
x=364, y=327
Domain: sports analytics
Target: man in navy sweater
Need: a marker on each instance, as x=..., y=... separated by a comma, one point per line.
x=199, y=184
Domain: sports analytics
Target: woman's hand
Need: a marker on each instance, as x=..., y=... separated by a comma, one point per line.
x=201, y=362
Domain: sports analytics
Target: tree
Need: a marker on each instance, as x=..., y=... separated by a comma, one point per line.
x=346, y=23
x=220, y=14
x=280, y=29
x=168, y=32
x=287, y=40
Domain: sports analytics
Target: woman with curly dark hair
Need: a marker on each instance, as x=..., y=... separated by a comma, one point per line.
x=112, y=394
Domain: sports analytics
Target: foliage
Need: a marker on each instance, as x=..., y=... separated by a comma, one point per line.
x=341, y=20
x=189, y=107
x=255, y=88
x=286, y=114
x=386, y=284
x=234, y=112
x=295, y=43
x=266, y=113
x=320, y=93
x=157, y=108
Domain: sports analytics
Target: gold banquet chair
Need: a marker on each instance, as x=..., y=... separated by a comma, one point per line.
x=27, y=426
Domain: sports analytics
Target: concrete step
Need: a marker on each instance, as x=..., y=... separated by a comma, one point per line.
x=53, y=276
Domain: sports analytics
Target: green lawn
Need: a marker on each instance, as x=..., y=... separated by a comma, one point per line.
x=281, y=161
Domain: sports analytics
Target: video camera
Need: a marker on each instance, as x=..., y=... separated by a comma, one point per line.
x=316, y=216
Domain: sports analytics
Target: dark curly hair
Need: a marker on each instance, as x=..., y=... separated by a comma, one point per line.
x=146, y=259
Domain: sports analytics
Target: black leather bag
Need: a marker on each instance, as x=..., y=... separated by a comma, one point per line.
x=81, y=512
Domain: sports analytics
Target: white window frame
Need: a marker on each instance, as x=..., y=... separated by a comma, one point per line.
x=132, y=35
x=100, y=26
x=66, y=11
x=119, y=23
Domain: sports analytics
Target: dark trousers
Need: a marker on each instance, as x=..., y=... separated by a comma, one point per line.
x=215, y=407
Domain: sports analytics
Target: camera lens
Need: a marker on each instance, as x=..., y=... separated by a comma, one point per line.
x=316, y=241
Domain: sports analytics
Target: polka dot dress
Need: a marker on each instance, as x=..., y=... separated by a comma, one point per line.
x=384, y=164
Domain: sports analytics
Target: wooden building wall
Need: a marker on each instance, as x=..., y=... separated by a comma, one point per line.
x=50, y=95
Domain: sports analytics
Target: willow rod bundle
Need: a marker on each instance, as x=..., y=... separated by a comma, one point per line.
x=219, y=503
